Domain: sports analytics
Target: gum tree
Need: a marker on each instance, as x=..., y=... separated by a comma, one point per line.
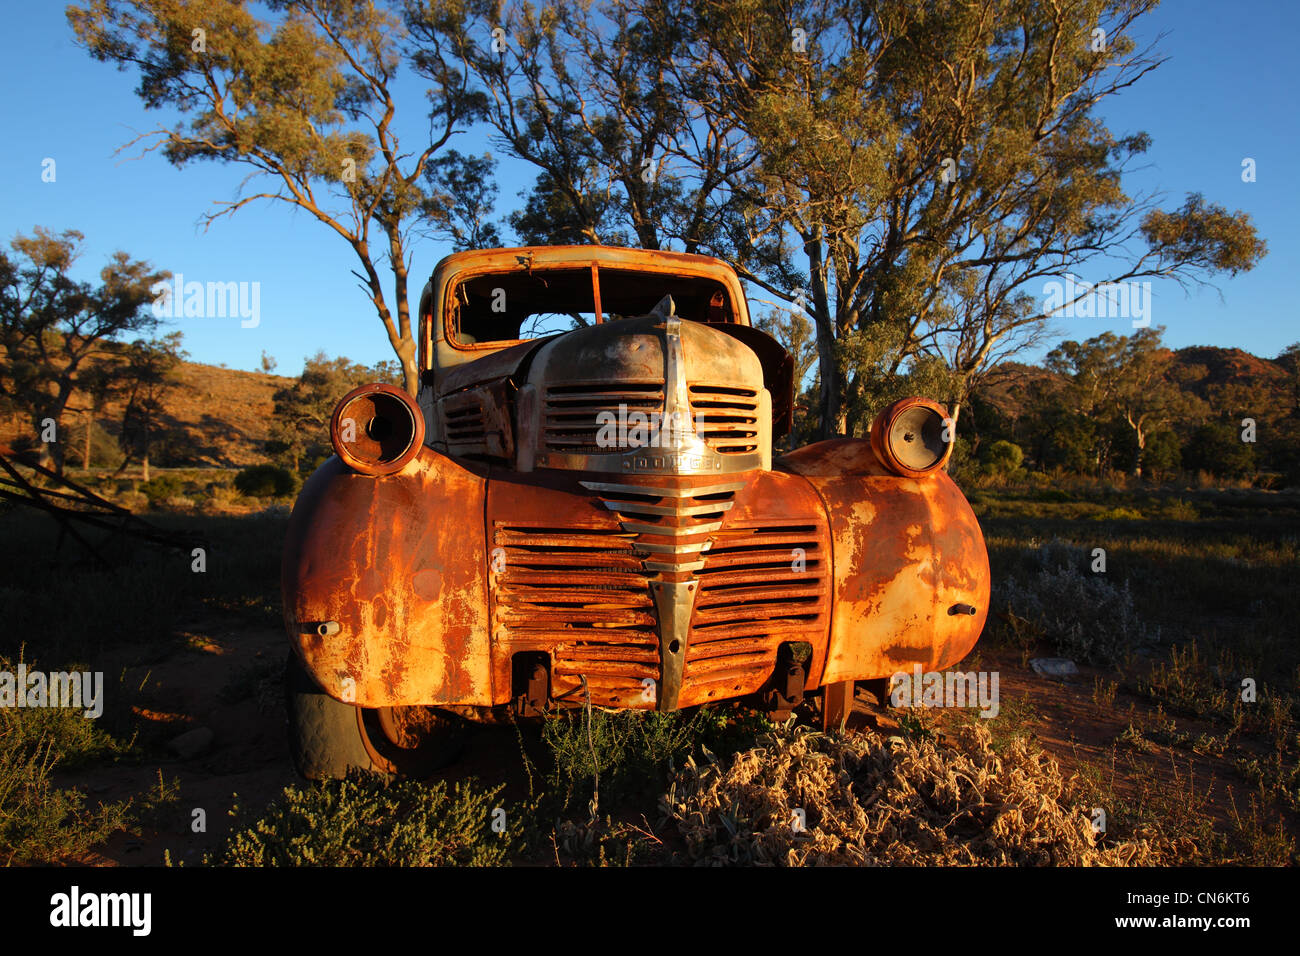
x=306, y=103
x=928, y=168
x=603, y=100
x=1129, y=379
x=52, y=327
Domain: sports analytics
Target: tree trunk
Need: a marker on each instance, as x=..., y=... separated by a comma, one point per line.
x=833, y=417
x=50, y=454
x=954, y=412
x=90, y=424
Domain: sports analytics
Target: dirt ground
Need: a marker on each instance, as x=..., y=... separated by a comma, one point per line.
x=228, y=679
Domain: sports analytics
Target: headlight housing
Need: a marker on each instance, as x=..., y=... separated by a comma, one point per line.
x=377, y=429
x=912, y=437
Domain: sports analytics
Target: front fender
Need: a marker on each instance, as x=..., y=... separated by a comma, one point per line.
x=907, y=552
x=398, y=564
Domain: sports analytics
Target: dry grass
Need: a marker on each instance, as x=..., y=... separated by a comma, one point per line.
x=870, y=800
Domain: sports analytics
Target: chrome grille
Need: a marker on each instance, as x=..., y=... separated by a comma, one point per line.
x=725, y=417
x=752, y=599
x=569, y=412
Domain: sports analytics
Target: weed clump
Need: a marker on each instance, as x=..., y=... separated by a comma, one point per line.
x=369, y=820
x=39, y=822
x=1081, y=614
x=803, y=798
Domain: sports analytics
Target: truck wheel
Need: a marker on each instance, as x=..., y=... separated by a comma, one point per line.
x=327, y=738
x=324, y=734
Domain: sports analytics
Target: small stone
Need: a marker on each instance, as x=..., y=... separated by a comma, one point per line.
x=1054, y=667
x=191, y=743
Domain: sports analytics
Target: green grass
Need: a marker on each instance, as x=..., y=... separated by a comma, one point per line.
x=634, y=752
x=368, y=820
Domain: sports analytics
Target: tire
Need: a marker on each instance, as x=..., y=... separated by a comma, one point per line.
x=327, y=737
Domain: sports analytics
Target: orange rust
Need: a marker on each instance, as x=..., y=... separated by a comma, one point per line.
x=394, y=562
x=907, y=550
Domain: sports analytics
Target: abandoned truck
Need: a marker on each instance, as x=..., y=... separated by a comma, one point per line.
x=582, y=508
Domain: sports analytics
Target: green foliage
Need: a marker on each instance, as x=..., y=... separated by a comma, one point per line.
x=633, y=751
x=162, y=486
x=265, y=481
x=39, y=822
x=1003, y=458
x=71, y=738
x=306, y=98
x=1126, y=382
x=148, y=374
x=630, y=750
x=51, y=324
x=300, y=432
x=368, y=820
x=1216, y=447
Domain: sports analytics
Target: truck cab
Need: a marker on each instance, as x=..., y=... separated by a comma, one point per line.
x=581, y=507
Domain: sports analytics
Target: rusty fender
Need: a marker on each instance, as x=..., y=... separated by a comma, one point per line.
x=385, y=597
x=911, y=571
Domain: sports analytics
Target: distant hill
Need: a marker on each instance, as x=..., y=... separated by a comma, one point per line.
x=1229, y=367
x=221, y=417
x=215, y=416
x=1010, y=385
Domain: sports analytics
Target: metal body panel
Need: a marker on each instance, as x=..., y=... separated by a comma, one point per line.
x=437, y=352
x=397, y=564
x=907, y=552
x=582, y=576
x=438, y=576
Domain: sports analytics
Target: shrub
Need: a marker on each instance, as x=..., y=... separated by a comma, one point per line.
x=868, y=800
x=367, y=820
x=70, y=736
x=265, y=481
x=133, y=500
x=1003, y=458
x=1118, y=514
x=1080, y=613
x=631, y=748
x=163, y=486
x=39, y=822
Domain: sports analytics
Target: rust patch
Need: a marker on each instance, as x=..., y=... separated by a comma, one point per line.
x=906, y=551
x=399, y=562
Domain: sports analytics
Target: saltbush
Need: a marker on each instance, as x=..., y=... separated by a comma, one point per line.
x=1080, y=612
x=369, y=820
x=265, y=481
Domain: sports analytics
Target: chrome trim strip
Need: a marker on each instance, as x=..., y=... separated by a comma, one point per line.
x=616, y=486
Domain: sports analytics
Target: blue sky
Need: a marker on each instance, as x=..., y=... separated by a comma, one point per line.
x=1229, y=91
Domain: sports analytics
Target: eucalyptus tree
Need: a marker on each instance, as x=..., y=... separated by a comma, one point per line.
x=307, y=102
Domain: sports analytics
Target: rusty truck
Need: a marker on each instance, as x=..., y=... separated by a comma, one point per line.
x=581, y=507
